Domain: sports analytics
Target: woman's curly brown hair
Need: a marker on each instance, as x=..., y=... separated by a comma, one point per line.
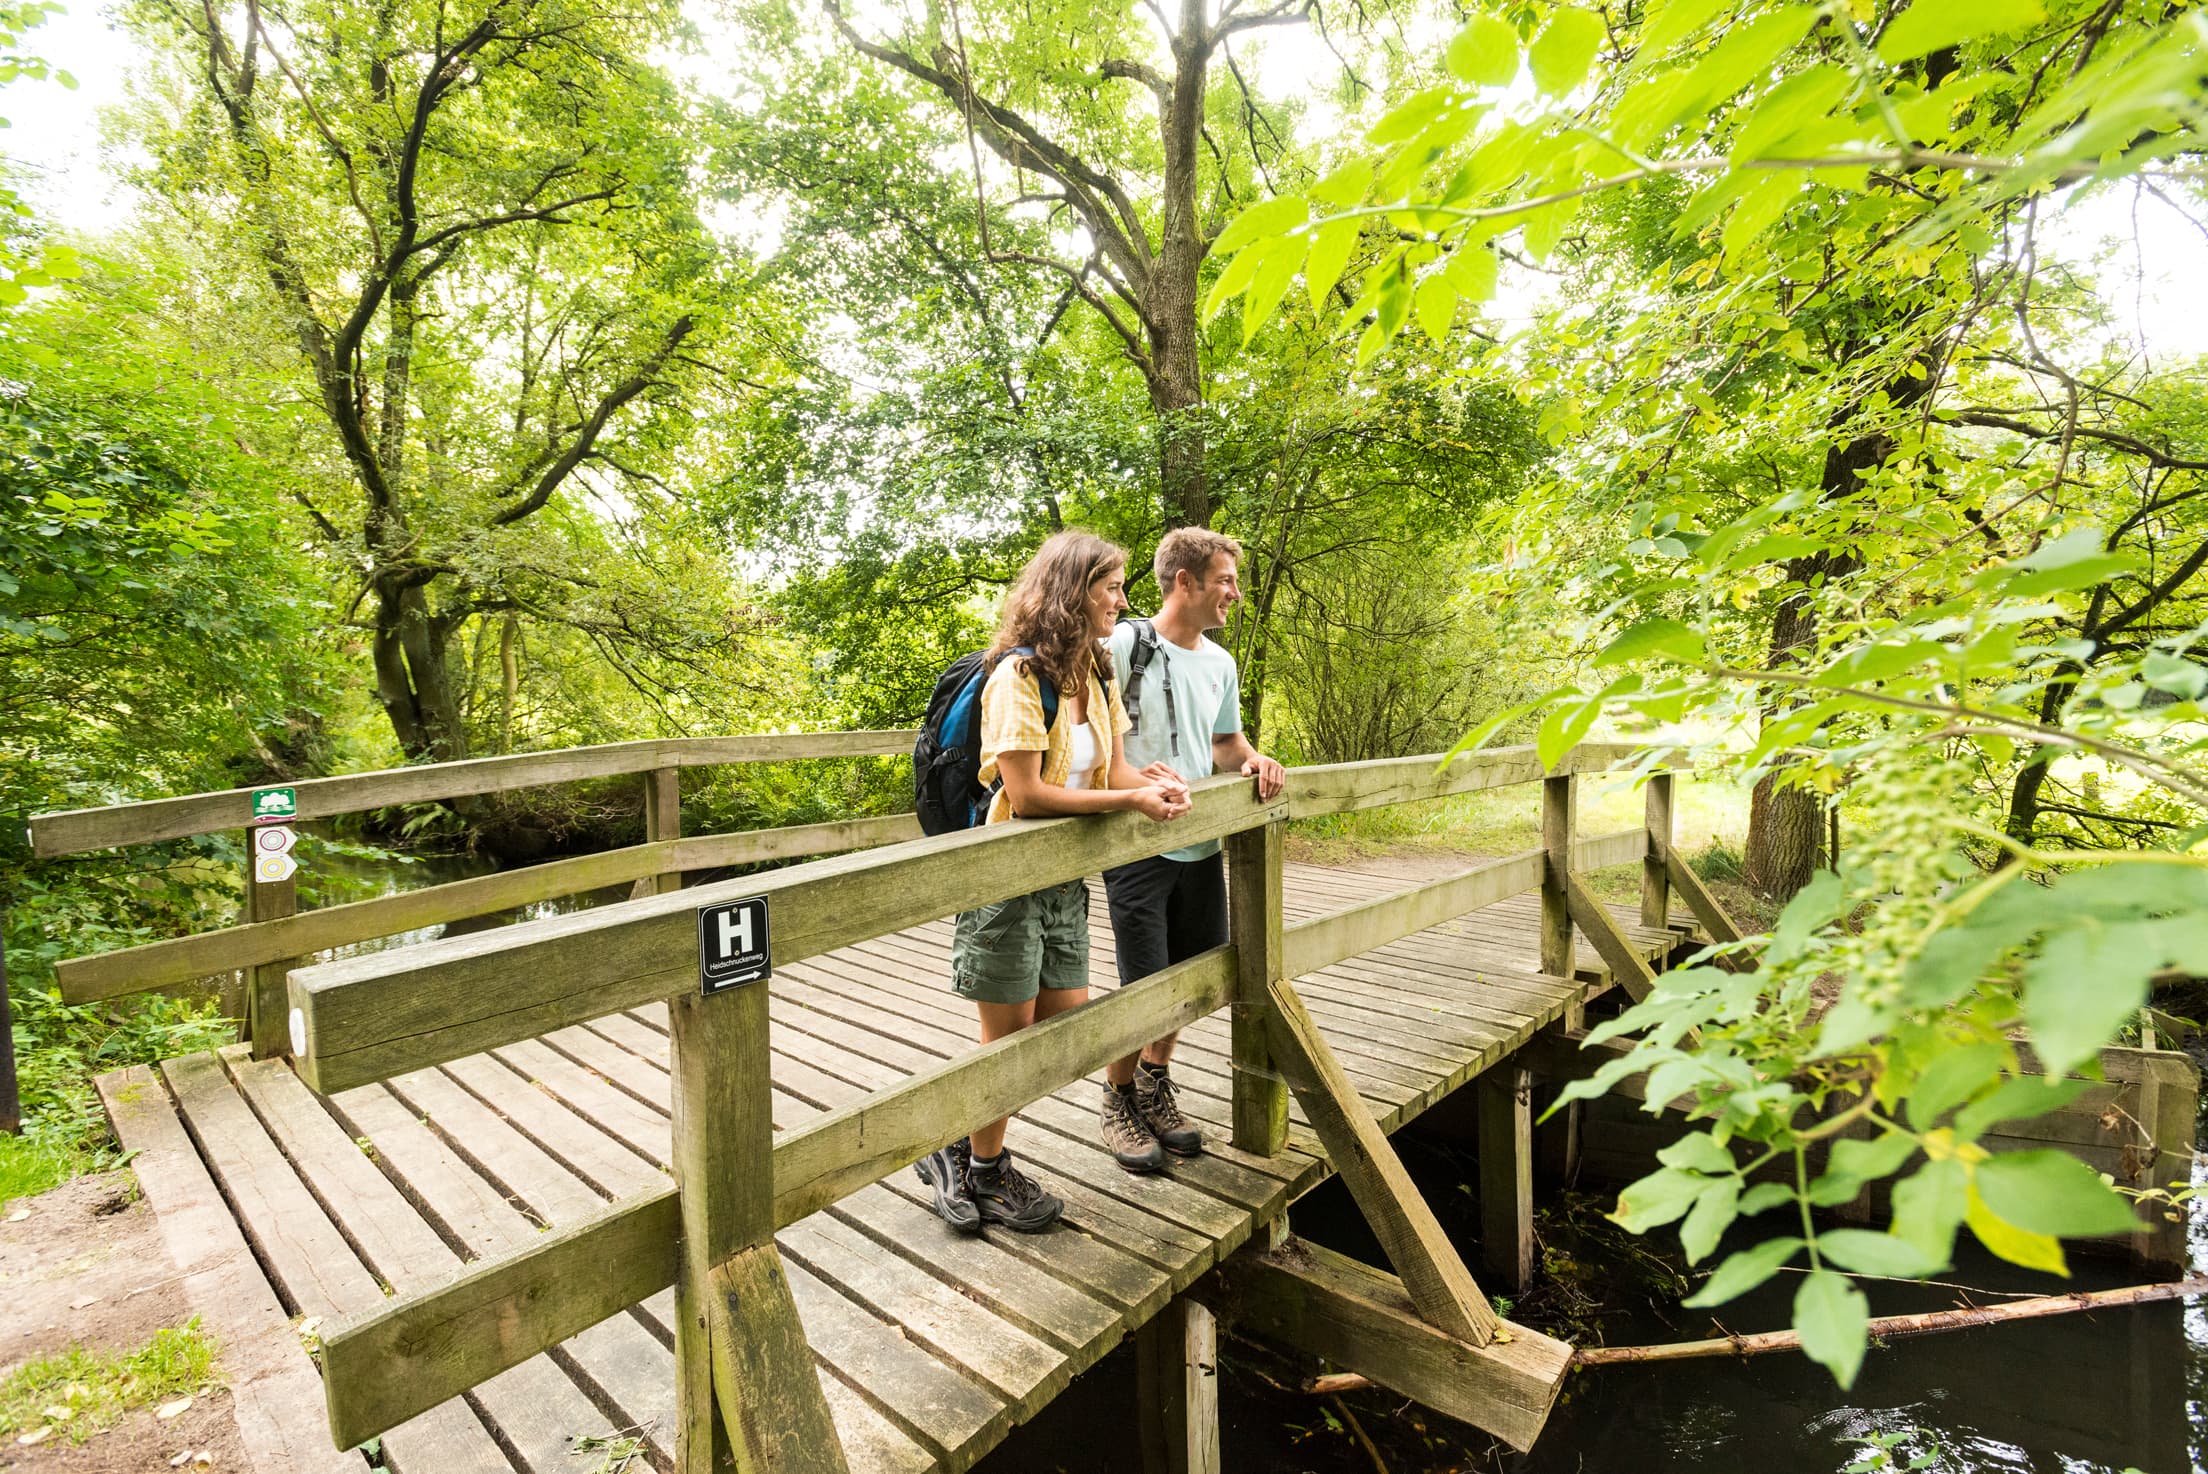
x=1048, y=608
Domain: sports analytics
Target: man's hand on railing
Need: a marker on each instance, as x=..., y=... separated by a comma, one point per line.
x=1165, y=777
x=1271, y=776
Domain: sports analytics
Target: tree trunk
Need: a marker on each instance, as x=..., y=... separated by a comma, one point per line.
x=1175, y=379
x=411, y=679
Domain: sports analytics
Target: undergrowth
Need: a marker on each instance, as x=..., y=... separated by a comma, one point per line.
x=77, y=1393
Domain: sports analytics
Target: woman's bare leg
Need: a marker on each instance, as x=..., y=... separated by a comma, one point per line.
x=998, y=1020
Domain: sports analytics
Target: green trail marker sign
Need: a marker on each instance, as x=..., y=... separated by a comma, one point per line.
x=275, y=805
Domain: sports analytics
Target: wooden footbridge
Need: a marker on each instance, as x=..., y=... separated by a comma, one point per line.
x=529, y=1185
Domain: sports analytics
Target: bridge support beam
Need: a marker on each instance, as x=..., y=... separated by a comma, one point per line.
x=1177, y=1380
x=1360, y=1318
x=1255, y=862
x=1506, y=1174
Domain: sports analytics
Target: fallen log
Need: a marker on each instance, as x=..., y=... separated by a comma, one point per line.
x=1886, y=1328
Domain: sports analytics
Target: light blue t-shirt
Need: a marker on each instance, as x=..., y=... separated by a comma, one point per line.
x=1207, y=703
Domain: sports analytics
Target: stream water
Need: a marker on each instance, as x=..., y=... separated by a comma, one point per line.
x=2078, y=1394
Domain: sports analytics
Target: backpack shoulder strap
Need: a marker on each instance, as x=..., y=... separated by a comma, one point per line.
x=1044, y=687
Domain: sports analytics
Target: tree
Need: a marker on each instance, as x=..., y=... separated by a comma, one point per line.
x=474, y=227
x=1141, y=201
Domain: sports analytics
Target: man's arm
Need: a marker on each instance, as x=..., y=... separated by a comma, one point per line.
x=1231, y=753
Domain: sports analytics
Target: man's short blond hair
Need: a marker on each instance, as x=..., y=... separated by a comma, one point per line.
x=1190, y=550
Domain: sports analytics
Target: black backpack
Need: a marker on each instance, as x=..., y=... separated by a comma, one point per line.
x=1138, y=660
x=947, y=791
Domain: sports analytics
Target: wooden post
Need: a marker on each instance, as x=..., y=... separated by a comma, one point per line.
x=738, y=1338
x=1254, y=865
x=1177, y=1379
x=1506, y=1173
x=1559, y=821
x=662, y=820
x=1655, y=875
x=266, y=1007
x=2169, y=1101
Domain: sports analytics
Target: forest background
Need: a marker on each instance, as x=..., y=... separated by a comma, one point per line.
x=461, y=378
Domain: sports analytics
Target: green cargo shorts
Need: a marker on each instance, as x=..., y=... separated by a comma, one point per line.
x=1008, y=952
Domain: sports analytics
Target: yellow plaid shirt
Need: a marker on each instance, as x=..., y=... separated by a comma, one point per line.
x=1012, y=721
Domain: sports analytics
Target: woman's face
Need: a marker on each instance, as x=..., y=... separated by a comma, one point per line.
x=1107, y=596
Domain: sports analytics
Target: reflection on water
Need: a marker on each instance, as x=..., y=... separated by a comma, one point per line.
x=360, y=878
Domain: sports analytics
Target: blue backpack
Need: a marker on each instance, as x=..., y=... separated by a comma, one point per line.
x=947, y=791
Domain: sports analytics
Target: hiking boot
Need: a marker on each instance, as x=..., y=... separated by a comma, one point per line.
x=1004, y=1194
x=945, y=1170
x=1162, y=1114
x=1130, y=1141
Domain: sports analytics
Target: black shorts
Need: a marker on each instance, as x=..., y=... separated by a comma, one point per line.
x=1166, y=911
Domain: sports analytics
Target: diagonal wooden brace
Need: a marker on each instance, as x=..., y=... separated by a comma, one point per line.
x=764, y=1380
x=1627, y=967
x=1431, y=1271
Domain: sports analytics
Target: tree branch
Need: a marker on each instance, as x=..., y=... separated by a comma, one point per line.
x=587, y=438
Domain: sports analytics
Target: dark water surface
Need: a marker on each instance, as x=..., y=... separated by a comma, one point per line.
x=2076, y=1394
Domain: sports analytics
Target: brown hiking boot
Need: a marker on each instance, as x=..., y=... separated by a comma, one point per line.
x=1154, y=1102
x=1131, y=1142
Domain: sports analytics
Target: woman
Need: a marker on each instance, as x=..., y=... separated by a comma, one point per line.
x=1027, y=958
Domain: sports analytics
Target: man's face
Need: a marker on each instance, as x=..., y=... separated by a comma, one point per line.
x=1217, y=594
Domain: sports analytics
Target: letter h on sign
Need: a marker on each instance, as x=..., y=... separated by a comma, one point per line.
x=733, y=947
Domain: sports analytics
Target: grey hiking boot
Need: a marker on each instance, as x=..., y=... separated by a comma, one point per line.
x=1004, y=1194
x=1130, y=1141
x=1154, y=1102
x=945, y=1170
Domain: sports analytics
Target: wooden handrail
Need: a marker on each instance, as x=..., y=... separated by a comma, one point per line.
x=76, y=830
x=204, y=954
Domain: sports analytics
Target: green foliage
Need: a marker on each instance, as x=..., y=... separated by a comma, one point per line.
x=78, y=1393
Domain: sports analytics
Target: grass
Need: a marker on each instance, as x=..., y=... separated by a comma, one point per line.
x=30, y=1165
x=78, y=1393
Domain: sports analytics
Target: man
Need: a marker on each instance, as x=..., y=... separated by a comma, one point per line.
x=1181, y=691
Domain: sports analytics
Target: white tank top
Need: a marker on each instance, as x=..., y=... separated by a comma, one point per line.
x=1085, y=756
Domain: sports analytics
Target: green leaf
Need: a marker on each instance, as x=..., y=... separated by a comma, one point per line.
x=1813, y=905
x=1834, y=1320
x=2085, y=984
x=1270, y=285
x=1746, y=53
x=1265, y=218
x=1929, y=1206
x=2017, y=1245
x=1671, y=25
x=1471, y=269
x=1765, y=1196
x=2167, y=672
x=1928, y=25
x=1865, y=1252
x=1803, y=99
x=1330, y=250
x=1707, y=1221
x=1952, y=1078
x=1345, y=187
x=1240, y=272
x=1743, y=1271
x=2052, y=1193
x=2020, y=1098
x=1484, y=53
x=1652, y=638
x=1659, y=1198
x=1409, y=119
x=1565, y=49
x=1436, y=306
x=1762, y=206
x=1698, y=1152
x=1867, y=1161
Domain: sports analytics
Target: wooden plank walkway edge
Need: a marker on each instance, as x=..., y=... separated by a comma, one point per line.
x=276, y=1394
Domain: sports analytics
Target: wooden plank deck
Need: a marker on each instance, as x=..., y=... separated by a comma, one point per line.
x=930, y=1346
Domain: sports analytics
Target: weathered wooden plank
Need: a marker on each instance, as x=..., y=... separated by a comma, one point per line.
x=1627, y=968
x=1437, y=1279
x=1357, y=1317
x=275, y=1396
x=1655, y=875
x=183, y=959
x=612, y=1168
x=1342, y=788
x=321, y=798
x=391, y=1361
x=308, y=1261
x=368, y=1017
x=763, y=1376
x=819, y=1163
x=1312, y=945
x=1559, y=825
x=1255, y=860
x=1603, y=851
x=1177, y=1387
x=1698, y=898
x=1506, y=1174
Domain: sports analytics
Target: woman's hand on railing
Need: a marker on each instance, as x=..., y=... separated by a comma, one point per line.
x=1158, y=801
x=1163, y=775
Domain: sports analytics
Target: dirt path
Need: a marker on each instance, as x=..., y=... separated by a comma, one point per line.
x=84, y=1265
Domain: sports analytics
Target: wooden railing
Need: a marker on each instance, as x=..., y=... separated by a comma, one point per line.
x=740, y=1350
x=275, y=935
